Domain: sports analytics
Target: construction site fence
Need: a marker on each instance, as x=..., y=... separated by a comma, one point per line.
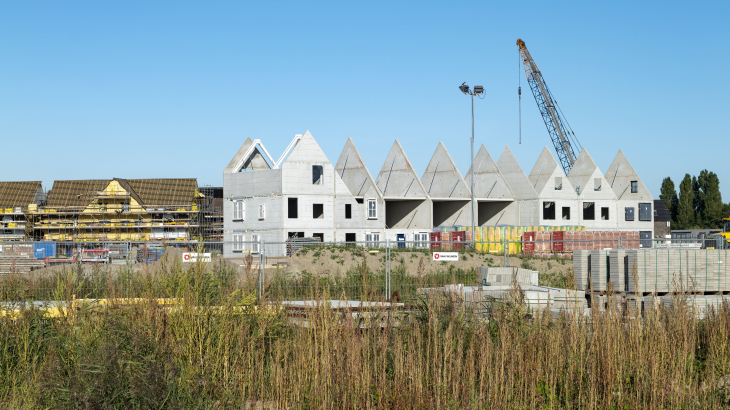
x=364, y=270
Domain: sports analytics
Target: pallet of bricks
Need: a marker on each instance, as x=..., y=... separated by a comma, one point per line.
x=18, y=258
x=546, y=244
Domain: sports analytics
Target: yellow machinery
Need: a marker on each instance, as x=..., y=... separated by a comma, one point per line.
x=725, y=235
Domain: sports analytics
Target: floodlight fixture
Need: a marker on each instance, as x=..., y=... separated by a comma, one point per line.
x=478, y=89
x=464, y=88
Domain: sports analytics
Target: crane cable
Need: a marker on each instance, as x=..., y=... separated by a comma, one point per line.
x=519, y=89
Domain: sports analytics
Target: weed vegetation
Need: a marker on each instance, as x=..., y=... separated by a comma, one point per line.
x=216, y=345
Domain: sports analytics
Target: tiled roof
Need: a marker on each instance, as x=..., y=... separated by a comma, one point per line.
x=20, y=193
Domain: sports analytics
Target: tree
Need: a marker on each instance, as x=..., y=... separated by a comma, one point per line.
x=686, y=205
x=712, y=206
x=698, y=203
x=669, y=196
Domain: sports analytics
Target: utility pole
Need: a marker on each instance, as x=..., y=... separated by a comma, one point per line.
x=478, y=90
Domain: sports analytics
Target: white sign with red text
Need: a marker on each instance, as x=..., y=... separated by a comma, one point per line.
x=446, y=256
x=193, y=257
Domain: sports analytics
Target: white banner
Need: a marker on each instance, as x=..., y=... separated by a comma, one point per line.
x=193, y=257
x=446, y=256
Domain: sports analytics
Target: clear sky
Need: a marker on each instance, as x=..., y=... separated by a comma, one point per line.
x=172, y=89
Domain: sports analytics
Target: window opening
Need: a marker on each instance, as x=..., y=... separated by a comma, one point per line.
x=566, y=213
x=548, y=210
x=589, y=211
x=317, y=211
x=293, y=208
x=317, y=174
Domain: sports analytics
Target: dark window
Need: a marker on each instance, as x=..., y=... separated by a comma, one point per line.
x=350, y=237
x=604, y=214
x=317, y=211
x=317, y=171
x=566, y=213
x=320, y=236
x=548, y=210
x=589, y=211
x=293, y=208
x=645, y=237
x=348, y=211
x=634, y=187
x=629, y=213
x=359, y=200
x=645, y=212
x=295, y=234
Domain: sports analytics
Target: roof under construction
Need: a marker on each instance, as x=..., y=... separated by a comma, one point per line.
x=18, y=193
x=163, y=191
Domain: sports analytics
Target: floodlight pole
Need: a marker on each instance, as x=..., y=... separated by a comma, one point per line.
x=471, y=158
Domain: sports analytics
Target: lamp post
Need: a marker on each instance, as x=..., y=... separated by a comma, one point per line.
x=478, y=90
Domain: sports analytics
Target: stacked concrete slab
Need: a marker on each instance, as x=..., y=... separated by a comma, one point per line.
x=580, y=268
x=674, y=270
x=619, y=269
x=599, y=270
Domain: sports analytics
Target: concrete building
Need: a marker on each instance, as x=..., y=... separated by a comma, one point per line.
x=558, y=201
x=525, y=209
x=450, y=196
x=408, y=207
x=596, y=199
x=633, y=200
x=495, y=200
x=302, y=195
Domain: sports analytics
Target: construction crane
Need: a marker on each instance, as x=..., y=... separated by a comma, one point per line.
x=560, y=132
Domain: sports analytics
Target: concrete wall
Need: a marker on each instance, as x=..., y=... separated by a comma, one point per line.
x=408, y=214
x=450, y=213
x=493, y=213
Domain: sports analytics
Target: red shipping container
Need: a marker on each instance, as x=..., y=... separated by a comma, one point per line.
x=528, y=244
x=557, y=244
x=458, y=238
x=435, y=238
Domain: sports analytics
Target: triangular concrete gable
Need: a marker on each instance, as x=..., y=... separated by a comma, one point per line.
x=515, y=176
x=397, y=178
x=442, y=179
x=548, y=178
x=255, y=161
x=306, y=150
x=583, y=176
x=351, y=168
x=488, y=180
x=619, y=176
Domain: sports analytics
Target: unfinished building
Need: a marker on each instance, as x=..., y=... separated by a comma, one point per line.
x=450, y=196
x=18, y=200
x=495, y=200
x=303, y=195
x=407, y=204
x=119, y=210
x=596, y=199
x=556, y=196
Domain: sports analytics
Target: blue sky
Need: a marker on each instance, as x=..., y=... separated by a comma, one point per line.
x=172, y=89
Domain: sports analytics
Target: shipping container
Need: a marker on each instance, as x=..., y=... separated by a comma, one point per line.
x=44, y=250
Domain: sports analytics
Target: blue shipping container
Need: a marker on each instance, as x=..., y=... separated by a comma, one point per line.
x=44, y=250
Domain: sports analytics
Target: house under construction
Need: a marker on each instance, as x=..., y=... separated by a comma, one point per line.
x=303, y=195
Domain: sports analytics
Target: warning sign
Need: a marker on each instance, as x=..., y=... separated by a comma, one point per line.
x=446, y=256
x=193, y=257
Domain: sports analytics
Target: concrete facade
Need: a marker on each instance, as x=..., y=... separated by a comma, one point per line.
x=631, y=193
x=450, y=196
x=595, y=193
x=304, y=195
x=558, y=201
x=495, y=200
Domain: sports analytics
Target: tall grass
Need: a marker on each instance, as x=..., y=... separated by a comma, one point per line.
x=210, y=352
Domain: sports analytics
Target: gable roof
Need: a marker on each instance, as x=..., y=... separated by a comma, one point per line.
x=18, y=193
x=164, y=191
x=353, y=172
x=255, y=161
x=584, y=172
x=442, y=179
x=397, y=178
x=489, y=182
x=619, y=177
x=543, y=170
x=515, y=176
x=306, y=150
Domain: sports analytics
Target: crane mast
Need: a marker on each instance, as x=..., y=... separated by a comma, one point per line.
x=559, y=133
